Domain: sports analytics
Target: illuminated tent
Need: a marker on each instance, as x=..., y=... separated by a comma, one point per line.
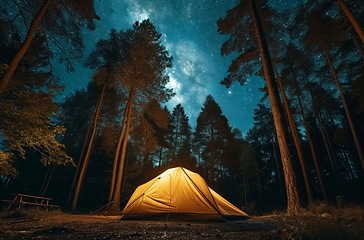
x=179, y=194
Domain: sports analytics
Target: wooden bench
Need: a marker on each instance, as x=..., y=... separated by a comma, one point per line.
x=28, y=200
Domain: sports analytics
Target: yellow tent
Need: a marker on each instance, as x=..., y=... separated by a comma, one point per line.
x=179, y=193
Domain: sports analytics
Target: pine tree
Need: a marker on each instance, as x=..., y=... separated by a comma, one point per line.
x=214, y=131
x=144, y=76
x=240, y=41
x=51, y=25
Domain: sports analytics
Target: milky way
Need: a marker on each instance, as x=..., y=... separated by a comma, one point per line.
x=189, y=33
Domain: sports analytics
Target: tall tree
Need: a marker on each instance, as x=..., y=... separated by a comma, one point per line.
x=181, y=133
x=241, y=41
x=294, y=61
x=28, y=114
x=296, y=139
x=51, y=17
x=85, y=161
x=240, y=159
x=214, y=130
x=262, y=137
x=352, y=19
x=152, y=120
x=106, y=58
x=144, y=76
x=321, y=33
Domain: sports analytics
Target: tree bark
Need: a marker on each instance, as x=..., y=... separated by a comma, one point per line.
x=115, y=205
x=358, y=45
x=293, y=201
x=326, y=140
x=296, y=142
x=23, y=48
x=212, y=162
x=80, y=162
x=117, y=151
x=88, y=152
x=352, y=19
x=175, y=143
x=309, y=138
x=351, y=124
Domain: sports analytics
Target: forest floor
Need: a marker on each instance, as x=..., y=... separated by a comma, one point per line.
x=21, y=225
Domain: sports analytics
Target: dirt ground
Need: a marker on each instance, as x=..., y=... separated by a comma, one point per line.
x=68, y=226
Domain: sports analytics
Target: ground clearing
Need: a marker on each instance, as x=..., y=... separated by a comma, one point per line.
x=68, y=226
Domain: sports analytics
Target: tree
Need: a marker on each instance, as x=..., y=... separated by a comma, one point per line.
x=143, y=74
x=214, y=131
x=50, y=18
x=320, y=33
x=152, y=120
x=105, y=59
x=28, y=114
x=294, y=62
x=240, y=160
x=6, y=167
x=89, y=147
x=181, y=133
x=234, y=26
x=296, y=140
x=262, y=137
x=352, y=19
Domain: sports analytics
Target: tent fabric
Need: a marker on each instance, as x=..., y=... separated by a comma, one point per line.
x=182, y=194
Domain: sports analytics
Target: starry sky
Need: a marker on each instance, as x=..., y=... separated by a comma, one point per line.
x=189, y=33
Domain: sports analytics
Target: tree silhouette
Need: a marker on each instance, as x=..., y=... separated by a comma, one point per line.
x=143, y=75
x=234, y=26
x=50, y=18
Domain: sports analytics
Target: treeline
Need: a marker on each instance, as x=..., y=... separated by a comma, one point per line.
x=311, y=58
x=305, y=145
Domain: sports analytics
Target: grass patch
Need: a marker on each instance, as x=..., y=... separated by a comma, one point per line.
x=323, y=221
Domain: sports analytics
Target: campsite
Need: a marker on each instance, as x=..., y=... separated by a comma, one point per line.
x=182, y=119
x=67, y=226
x=178, y=204
x=59, y=225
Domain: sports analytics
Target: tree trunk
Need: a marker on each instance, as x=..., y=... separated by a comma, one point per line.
x=160, y=158
x=296, y=141
x=23, y=48
x=278, y=172
x=46, y=180
x=326, y=141
x=115, y=205
x=309, y=138
x=174, y=159
x=358, y=45
x=88, y=152
x=293, y=201
x=244, y=191
x=273, y=140
x=117, y=153
x=80, y=162
x=351, y=124
x=212, y=150
x=352, y=19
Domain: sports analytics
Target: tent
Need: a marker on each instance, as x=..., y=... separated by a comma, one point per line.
x=179, y=194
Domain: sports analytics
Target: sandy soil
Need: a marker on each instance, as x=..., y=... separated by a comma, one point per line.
x=68, y=226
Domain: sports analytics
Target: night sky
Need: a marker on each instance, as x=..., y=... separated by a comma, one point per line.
x=189, y=33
